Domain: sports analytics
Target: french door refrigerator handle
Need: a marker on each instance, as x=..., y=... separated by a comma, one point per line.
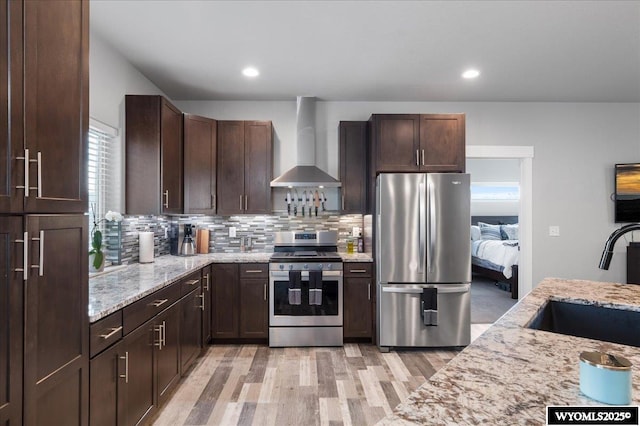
x=422, y=224
x=433, y=220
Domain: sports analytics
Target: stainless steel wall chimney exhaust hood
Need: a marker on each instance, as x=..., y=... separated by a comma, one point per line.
x=305, y=173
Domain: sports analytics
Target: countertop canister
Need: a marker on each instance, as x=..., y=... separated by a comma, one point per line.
x=605, y=377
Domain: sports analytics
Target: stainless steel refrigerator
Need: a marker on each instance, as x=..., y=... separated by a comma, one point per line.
x=423, y=259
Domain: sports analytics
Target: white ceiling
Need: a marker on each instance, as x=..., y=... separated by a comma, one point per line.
x=573, y=51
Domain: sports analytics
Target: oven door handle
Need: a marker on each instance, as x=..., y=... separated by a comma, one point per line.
x=305, y=274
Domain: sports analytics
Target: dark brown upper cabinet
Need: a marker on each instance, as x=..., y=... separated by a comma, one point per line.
x=245, y=167
x=199, y=164
x=44, y=88
x=418, y=142
x=153, y=135
x=353, y=166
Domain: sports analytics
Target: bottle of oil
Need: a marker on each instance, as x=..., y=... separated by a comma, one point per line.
x=360, y=243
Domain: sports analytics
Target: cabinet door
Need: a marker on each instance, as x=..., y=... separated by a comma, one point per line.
x=56, y=358
x=11, y=302
x=56, y=101
x=108, y=375
x=397, y=142
x=11, y=130
x=199, y=164
x=254, y=308
x=357, y=308
x=442, y=139
x=353, y=166
x=136, y=398
x=167, y=352
x=171, y=153
x=207, y=282
x=258, y=166
x=191, y=308
x=224, y=305
x=230, y=167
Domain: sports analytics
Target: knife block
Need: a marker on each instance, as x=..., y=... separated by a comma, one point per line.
x=202, y=241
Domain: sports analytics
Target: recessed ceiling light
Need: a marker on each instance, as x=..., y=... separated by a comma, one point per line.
x=470, y=73
x=250, y=72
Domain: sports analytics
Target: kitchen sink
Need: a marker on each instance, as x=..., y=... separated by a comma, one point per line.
x=590, y=321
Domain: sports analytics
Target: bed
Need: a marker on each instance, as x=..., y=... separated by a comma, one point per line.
x=495, y=250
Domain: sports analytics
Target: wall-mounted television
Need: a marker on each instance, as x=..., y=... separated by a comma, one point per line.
x=627, y=197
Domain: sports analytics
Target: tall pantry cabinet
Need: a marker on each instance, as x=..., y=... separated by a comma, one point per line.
x=44, y=71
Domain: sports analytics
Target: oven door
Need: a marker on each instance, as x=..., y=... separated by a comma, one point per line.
x=282, y=313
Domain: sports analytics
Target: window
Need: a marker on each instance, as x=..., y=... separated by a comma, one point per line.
x=103, y=169
x=495, y=191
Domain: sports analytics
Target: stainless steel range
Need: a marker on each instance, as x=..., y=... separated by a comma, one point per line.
x=305, y=290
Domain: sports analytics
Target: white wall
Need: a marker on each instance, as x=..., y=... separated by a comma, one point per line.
x=576, y=146
x=111, y=77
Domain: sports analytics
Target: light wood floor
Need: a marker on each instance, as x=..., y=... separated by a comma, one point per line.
x=258, y=385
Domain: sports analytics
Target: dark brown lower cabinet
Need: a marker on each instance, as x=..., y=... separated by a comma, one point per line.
x=207, y=285
x=56, y=329
x=254, y=308
x=191, y=308
x=136, y=395
x=358, y=300
x=106, y=377
x=224, y=305
x=167, y=351
x=11, y=302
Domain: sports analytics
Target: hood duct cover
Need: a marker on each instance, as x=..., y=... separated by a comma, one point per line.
x=305, y=173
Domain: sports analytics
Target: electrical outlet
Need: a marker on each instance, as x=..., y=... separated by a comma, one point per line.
x=232, y=232
x=554, y=231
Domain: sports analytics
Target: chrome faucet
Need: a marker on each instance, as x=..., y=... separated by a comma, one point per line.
x=607, y=253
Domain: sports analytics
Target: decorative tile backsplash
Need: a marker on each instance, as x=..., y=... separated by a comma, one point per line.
x=259, y=227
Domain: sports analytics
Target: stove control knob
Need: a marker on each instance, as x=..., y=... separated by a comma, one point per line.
x=281, y=266
x=329, y=266
x=320, y=266
x=306, y=266
x=290, y=267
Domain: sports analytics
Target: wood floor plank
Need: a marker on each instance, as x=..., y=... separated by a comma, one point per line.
x=257, y=385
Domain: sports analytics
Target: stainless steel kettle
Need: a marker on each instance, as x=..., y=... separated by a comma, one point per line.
x=188, y=247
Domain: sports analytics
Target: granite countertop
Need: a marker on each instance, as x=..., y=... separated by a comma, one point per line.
x=511, y=373
x=115, y=290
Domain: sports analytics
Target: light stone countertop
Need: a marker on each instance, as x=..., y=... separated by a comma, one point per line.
x=115, y=290
x=511, y=373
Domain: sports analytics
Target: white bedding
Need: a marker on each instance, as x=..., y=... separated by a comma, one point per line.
x=499, y=252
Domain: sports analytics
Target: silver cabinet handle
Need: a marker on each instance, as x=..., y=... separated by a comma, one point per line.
x=417, y=158
x=358, y=271
x=114, y=330
x=240, y=202
x=26, y=173
x=166, y=199
x=40, y=265
x=213, y=201
x=264, y=291
x=253, y=271
x=39, y=161
x=25, y=256
x=158, y=343
x=126, y=367
x=342, y=201
x=201, y=296
x=246, y=203
x=369, y=291
x=164, y=333
x=206, y=282
x=423, y=158
x=192, y=282
x=158, y=303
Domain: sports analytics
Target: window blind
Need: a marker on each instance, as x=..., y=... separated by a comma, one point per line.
x=103, y=170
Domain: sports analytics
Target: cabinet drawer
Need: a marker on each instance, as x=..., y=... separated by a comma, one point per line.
x=254, y=270
x=357, y=269
x=105, y=332
x=190, y=283
x=142, y=310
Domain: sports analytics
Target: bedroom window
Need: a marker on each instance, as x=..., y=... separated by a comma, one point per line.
x=495, y=191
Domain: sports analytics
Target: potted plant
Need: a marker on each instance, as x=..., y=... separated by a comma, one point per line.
x=96, y=255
